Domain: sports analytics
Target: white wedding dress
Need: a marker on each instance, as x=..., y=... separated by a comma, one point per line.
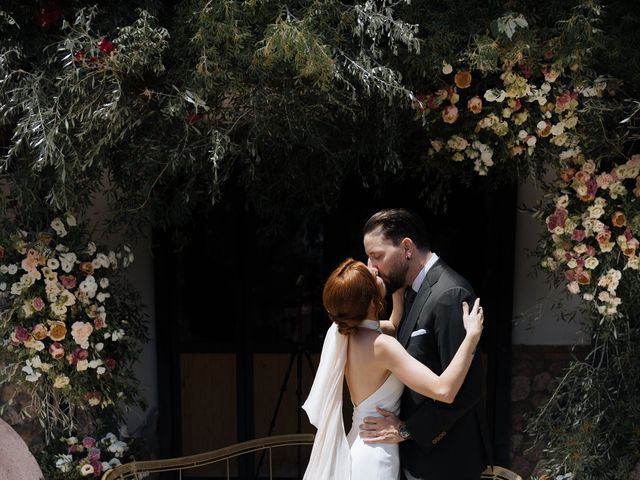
x=346, y=457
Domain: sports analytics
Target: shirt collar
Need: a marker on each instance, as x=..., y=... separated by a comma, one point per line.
x=417, y=283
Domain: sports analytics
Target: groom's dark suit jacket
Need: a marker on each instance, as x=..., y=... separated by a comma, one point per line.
x=449, y=441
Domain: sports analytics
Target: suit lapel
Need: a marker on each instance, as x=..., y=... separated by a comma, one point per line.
x=411, y=318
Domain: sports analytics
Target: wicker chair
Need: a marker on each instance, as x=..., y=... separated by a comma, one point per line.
x=499, y=473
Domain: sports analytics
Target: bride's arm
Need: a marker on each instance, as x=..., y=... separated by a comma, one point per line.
x=421, y=379
x=390, y=327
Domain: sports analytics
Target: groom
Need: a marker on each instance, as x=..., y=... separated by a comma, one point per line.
x=438, y=441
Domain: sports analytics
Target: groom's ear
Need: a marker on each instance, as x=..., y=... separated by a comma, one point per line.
x=407, y=246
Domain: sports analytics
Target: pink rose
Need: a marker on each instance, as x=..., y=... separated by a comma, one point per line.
x=97, y=465
x=563, y=101
x=38, y=304
x=68, y=281
x=21, y=334
x=475, y=104
x=73, y=449
x=578, y=235
x=604, y=180
x=450, y=114
x=592, y=187
x=88, y=442
x=56, y=350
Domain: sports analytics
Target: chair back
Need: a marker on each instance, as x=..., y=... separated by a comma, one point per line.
x=139, y=470
x=499, y=473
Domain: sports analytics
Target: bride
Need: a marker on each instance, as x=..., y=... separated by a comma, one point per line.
x=363, y=349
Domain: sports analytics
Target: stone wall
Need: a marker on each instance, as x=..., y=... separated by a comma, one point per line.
x=535, y=371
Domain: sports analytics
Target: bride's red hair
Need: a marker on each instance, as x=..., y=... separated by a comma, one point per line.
x=348, y=293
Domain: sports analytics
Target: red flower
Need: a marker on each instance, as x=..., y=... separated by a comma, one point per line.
x=578, y=235
x=193, y=118
x=21, y=334
x=47, y=17
x=433, y=102
x=567, y=174
x=526, y=70
x=110, y=363
x=105, y=46
x=78, y=55
x=94, y=398
x=420, y=102
x=79, y=354
x=583, y=277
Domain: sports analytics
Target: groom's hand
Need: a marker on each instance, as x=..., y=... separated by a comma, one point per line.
x=381, y=429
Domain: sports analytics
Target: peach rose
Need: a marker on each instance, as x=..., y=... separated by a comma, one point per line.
x=463, y=79
x=40, y=332
x=87, y=267
x=57, y=330
x=618, y=219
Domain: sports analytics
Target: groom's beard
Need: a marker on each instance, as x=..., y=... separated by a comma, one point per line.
x=396, y=277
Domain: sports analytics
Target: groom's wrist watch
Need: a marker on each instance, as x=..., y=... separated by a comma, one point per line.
x=403, y=431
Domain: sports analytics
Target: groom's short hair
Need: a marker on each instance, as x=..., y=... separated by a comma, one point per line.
x=398, y=223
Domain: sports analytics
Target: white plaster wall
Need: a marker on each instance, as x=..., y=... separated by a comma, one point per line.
x=535, y=320
x=140, y=275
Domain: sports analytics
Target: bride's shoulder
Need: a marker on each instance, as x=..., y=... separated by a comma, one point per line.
x=385, y=344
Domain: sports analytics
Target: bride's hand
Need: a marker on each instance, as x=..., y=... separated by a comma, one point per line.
x=473, y=321
x=399, y=293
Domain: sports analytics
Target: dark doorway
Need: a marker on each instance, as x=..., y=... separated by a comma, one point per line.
x=235, y=303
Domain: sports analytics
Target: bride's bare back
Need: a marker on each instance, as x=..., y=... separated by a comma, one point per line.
x=363, y=372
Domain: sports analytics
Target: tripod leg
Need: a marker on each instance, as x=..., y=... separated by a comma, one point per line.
x=283, y=389
x=308, y=356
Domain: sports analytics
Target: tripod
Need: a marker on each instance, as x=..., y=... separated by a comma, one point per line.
x=296, y=358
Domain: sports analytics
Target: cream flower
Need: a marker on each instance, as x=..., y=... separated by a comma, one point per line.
x=58, y=227
x=61, y=381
